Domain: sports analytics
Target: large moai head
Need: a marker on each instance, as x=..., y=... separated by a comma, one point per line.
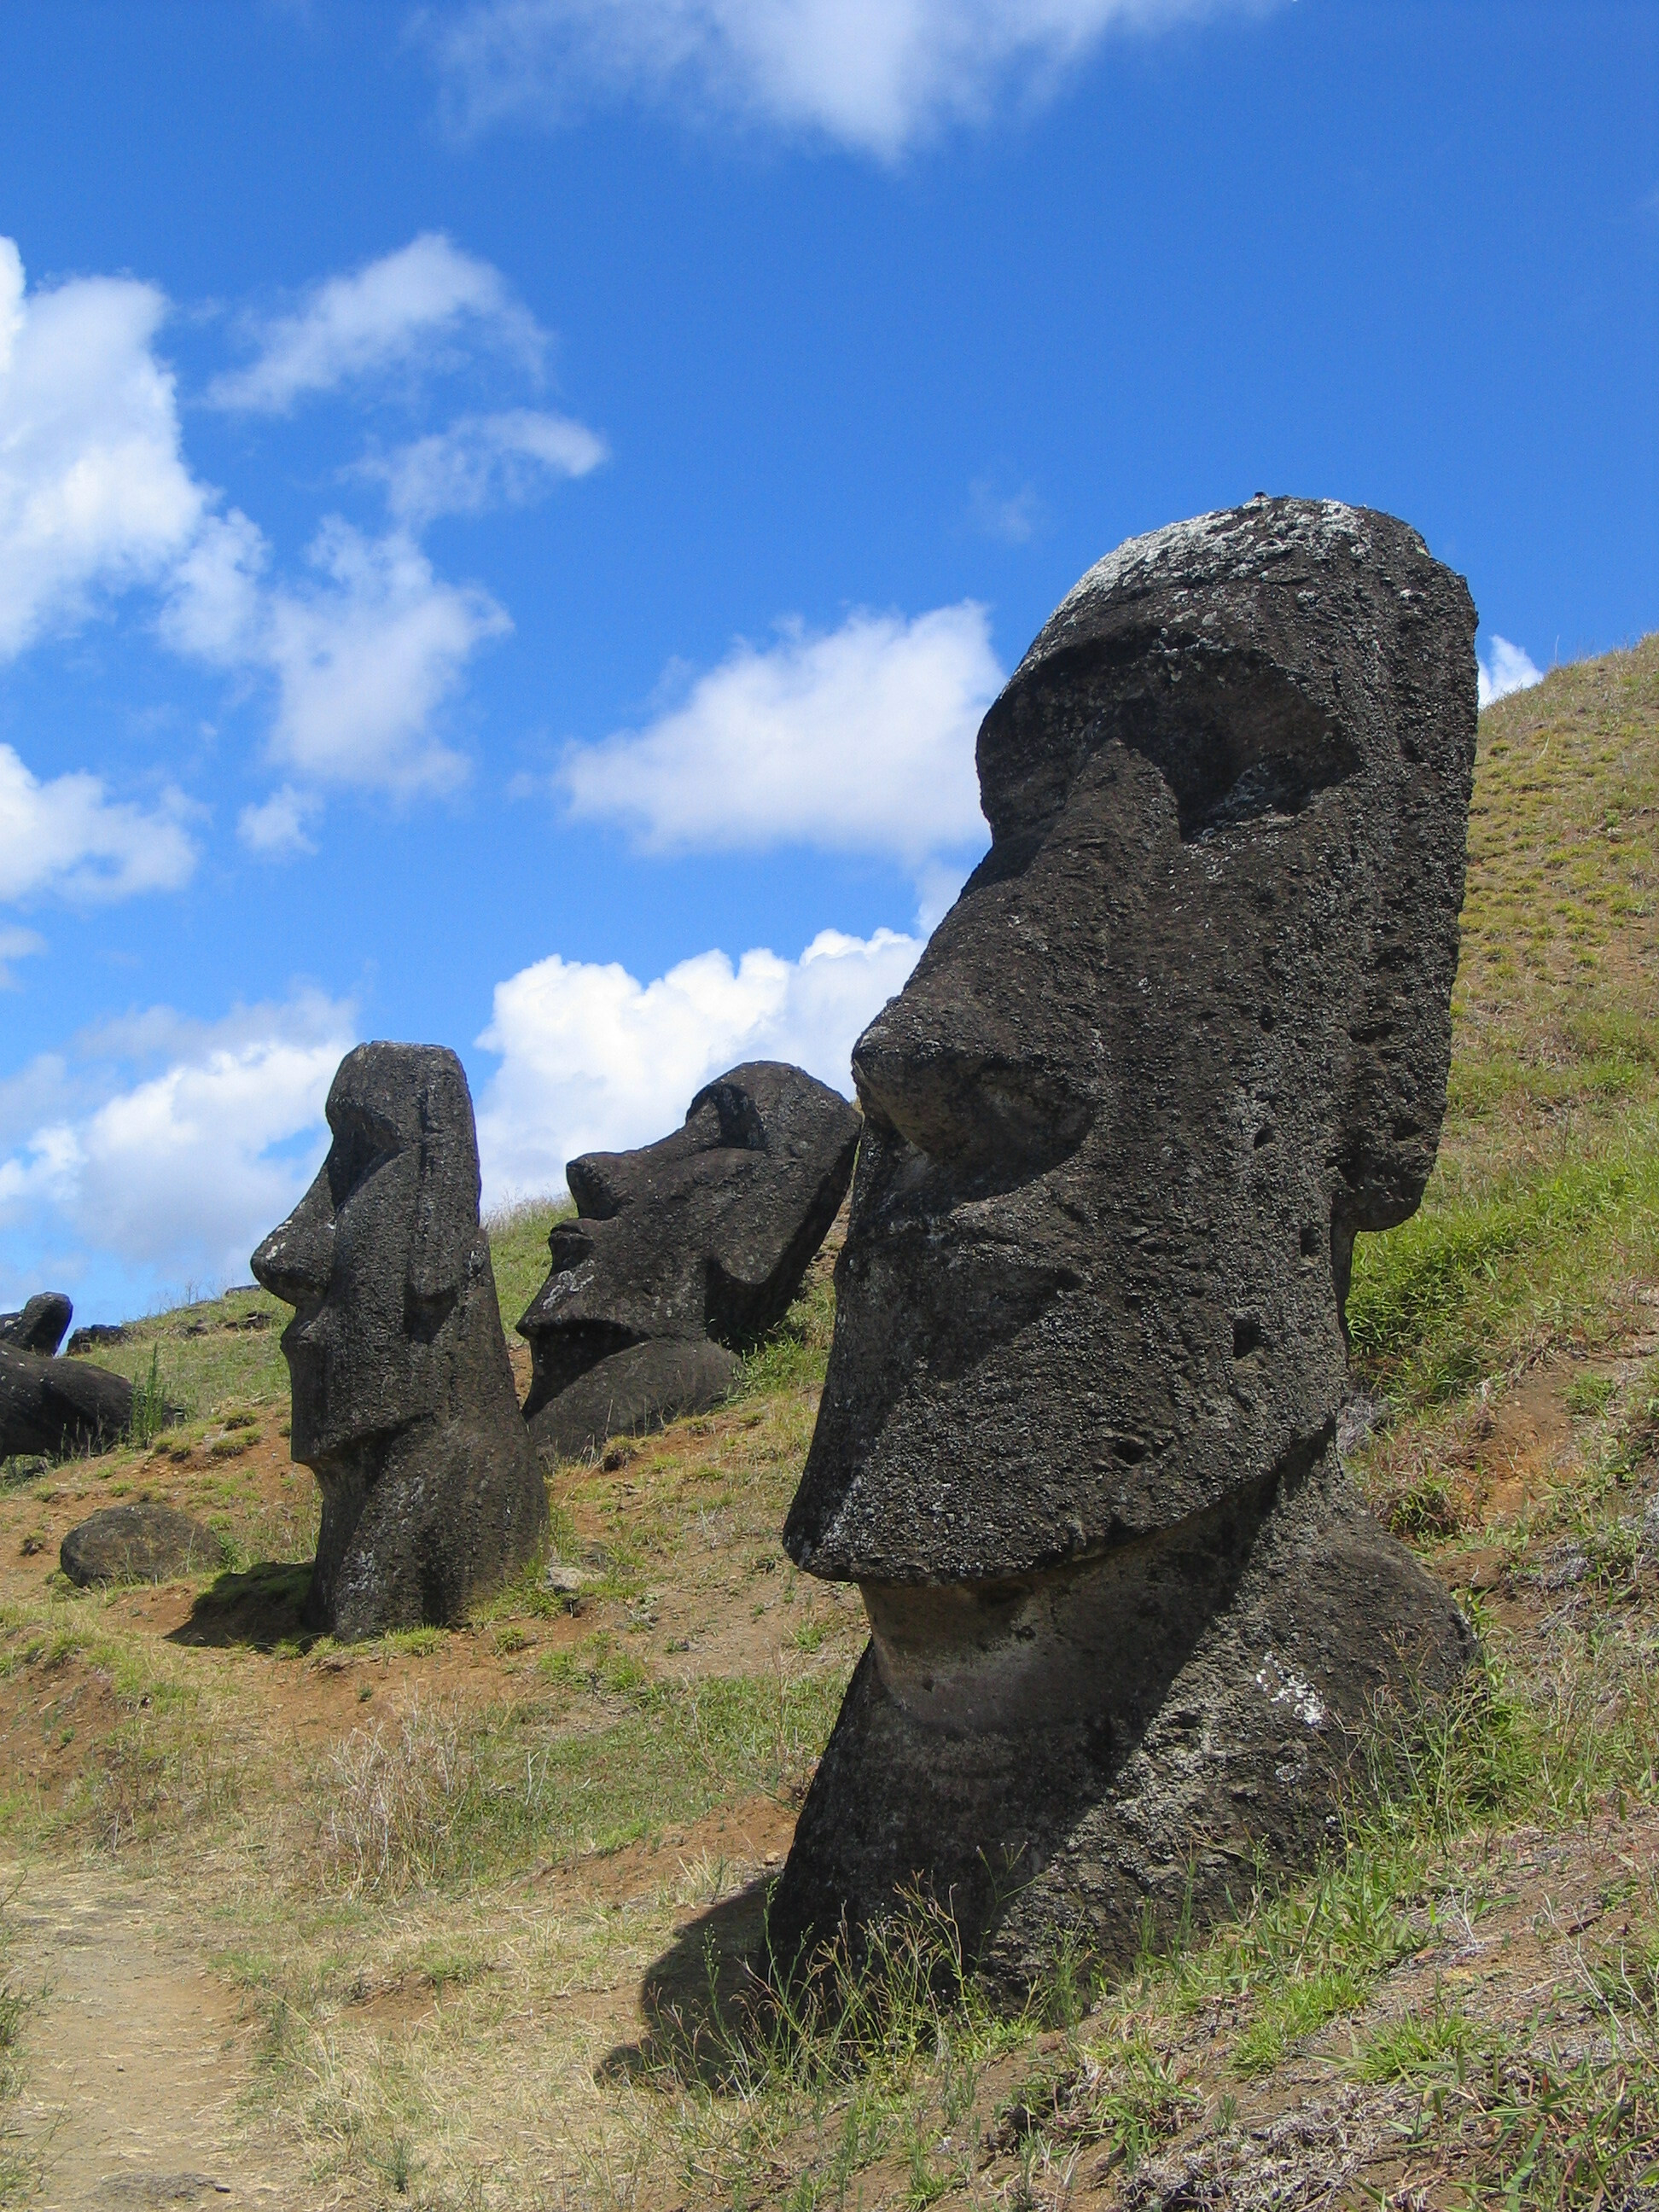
x=396, y=1352
x=1185, y=1031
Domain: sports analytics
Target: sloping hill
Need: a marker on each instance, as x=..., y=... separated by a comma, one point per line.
x=429, y=1921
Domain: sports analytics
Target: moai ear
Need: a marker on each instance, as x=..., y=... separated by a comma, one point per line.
x=446, y=1221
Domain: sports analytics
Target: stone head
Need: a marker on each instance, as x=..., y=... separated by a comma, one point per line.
x=701, y=1235
x=1183, y=1034
x=375, y=1256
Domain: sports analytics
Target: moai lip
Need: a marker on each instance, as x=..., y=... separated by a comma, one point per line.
x=1184, y=1034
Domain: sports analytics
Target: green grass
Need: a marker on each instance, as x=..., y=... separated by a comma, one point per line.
x=422, y=1800
x=1468, y=1285
x=794, y=1355
x=518, y=1251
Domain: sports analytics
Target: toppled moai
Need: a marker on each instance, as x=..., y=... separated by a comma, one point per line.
x=403, y=1402
x=1185, y=1032
x=683, y=1254
x=59, y=1407
x=41, y=1324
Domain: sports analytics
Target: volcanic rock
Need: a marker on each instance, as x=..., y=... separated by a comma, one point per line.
x=403, y=1402
x=41, y=1324
x=142, y=1543
x=94, y=1336
x=59, y=1407
x=1184, y=1034
x=685, y=1246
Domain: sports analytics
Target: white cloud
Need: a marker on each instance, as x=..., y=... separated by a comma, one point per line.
x=17, y=945
x=876, y=75
x=1506, y=668
x=70, y=837
x=365, y=659
x=364, y=662
x=278, y=827
x=483, y=460
x=397, y=312
x=176, y=1176
x=861, y=740
x=592, y=1059
x=95, y=495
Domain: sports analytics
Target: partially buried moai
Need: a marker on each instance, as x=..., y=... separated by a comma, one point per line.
x=403, y=1402
x=1184, y=1033
x=683, y=1254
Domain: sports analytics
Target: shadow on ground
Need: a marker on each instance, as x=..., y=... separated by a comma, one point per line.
x=260, y=1607
x=704, y=1998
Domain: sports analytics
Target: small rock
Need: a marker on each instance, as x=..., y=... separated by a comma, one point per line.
x=137, y=1544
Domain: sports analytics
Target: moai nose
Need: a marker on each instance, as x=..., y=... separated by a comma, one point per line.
x=295, y=1260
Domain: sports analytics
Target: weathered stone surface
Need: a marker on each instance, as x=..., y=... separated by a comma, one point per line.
x=1185, y=1033
x=700, y=1240
x=142, y=1543
x=634, y=1390
x=59, y=1407
x=41, y=1324
x=403, y=1402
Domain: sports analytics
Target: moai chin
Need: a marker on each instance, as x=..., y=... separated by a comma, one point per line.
x=403, y=1402
x=1185, y=1032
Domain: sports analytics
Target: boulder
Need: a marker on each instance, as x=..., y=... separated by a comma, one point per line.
x=59, y=1407
x=699, y=1241
x=41, y=1324
x=403, y=1402
x=142, y=1543
x=1184, y=1034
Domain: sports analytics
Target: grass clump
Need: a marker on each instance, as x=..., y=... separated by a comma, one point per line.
x=792, y=1357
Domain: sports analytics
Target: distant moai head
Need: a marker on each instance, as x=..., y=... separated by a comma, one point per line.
x=703, y=1235
x=403, y=1402
x=1185, y=1031
x=375, y=1256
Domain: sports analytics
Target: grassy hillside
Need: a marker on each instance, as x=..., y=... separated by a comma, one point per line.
x=466, y=1914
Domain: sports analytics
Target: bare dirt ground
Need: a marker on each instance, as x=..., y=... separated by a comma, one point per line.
x=140, y=2058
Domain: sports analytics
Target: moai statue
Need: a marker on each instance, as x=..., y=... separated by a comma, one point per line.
x=683, y=1253
x=1184, y=1033
x=403, y=1402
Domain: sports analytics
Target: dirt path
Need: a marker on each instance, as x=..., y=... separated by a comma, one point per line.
x=134, y=2057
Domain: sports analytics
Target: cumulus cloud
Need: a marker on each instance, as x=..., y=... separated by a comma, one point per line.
x=859, y=740
x=482, y=461
x=592, y=1059
x=176, y=1145
x=1506, y=668
x=95, y=495
x=365, y=659
x=395, y=313
x=69, y=836
x=875, y=75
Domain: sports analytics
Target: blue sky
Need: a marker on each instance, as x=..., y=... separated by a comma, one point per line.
x=510, y=514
